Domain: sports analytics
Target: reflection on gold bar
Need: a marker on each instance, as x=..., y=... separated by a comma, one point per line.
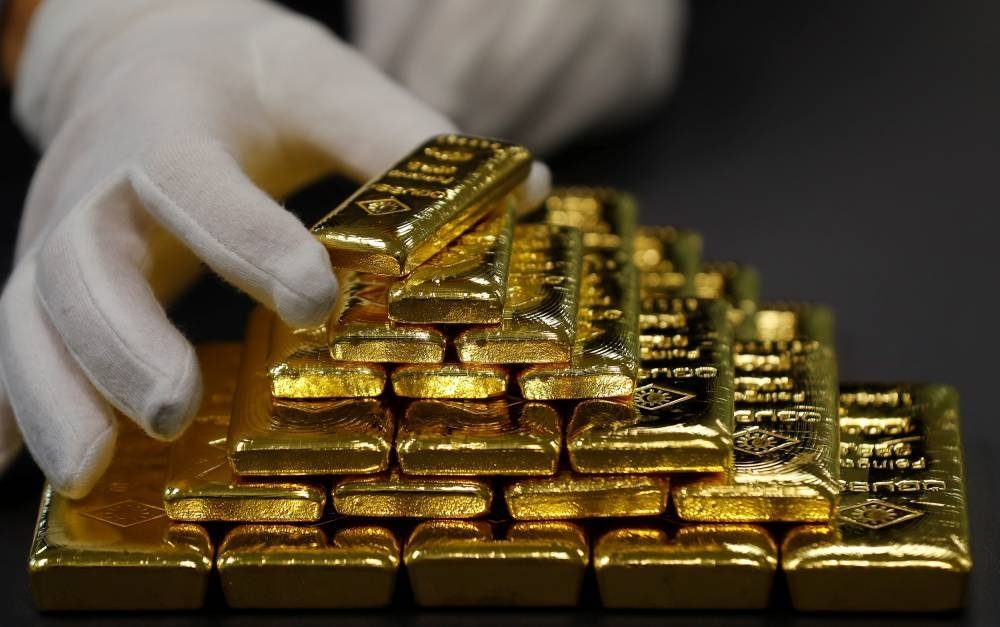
x=900, y=542
x=786, y=321
x=449, y=381
x=360, y=330
x=116, y=549
x=667, y=258
x=466, y=283
x=503, y=437
x=568, y=495
x=701, y=567
x=286, y=437
x=461, y=563
x=539, y=318
x=392, y=495
x=737, y=284
x=399, y=220
x=284, y=566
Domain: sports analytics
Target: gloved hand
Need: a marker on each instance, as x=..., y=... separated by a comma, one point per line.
x=536, y=71
x=165, y=127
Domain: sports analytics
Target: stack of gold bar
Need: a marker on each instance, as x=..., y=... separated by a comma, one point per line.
x=499, y=404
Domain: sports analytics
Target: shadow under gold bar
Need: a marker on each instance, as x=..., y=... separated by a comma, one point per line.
x=397, y=221
x=393, y=495
x=462, y=563
x=538, y=324
x=466, y=283
x=570, y=495
x=900, y=542
x=288, y=437
x=503, y=437
x=667, y=258
x=115, y=549
x=286, y=566
x=686, y=567
x=473, y=381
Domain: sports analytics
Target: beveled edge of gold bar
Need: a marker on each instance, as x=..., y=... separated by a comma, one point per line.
x=449, y=381
x=246, y=501
x=749, y=504
x=570, y=496
x=391, y=495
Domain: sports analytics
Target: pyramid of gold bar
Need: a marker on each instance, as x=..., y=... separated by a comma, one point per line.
x=499, y=403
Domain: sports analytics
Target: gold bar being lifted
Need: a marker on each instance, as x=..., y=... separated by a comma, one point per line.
x=700, y=566
x=667, y=258
x=569, y=495
x=466, y=283
x=474, y=381
x=462, y=563
x=539, y=319
x=399, y=220
x=285, y=566
x=115, y=549
x=393, y=495
x=285, y=437
x=900, y=542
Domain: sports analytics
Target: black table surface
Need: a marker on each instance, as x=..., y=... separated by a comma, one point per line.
x=850, y=151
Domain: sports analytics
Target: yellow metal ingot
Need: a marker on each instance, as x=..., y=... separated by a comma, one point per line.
x=737, y=284
x=785, y=321
x=392, y=495
x=460, y=563
x=606, y=217
x=116, y=549
x=284, y=566
x=501, y=437
x=466, y=283
x=449, y=381
x=701, y=567
x=399, y=220
x=900, y=542
x=539, y=319
x=569, y=495
x=667, y=259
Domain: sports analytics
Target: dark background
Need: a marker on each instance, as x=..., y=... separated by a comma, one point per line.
x=848, y=150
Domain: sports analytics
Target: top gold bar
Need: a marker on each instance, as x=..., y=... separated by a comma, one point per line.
x=402, y=218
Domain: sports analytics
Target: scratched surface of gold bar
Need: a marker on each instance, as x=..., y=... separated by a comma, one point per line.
x=466, y=283
x=699, y=566
x=475, y=381
x=667, y=258
x=900, y=541
x=285, y=566
x=115, y=549
x=464, y=563
x=393, y=495
x=538, y=324
x=507, y=437
x=569, y=495
x=399, y=220
x=296, y=437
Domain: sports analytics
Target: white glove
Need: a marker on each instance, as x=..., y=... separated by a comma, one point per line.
x=537, y=71
x=168, y=123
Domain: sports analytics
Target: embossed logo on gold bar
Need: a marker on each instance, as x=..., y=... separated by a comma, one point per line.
x=878, y=514
x=760, y=442
x=125, y=513
x=653, y=397
x=383, y=206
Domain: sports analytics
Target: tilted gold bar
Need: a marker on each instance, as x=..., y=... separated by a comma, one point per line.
x=539, y=318
x=667, y=258
x=505, y=437
x=286, y=437
x=399, y=220
x=569, y=495
x=700, y=566
x=466, y=283
x=900, y=542
x=476, y=381
x=115, y=549
x=737, y=284
x=285, y=566
x=461, y=563
x=392, y=495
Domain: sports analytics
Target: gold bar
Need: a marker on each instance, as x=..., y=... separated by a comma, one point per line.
x=539, y=319
x=785, y=321
x=702, y=566
x=502, y=437
x=399, y=220
x=449, y=381
x=462, y=563
x=284, y=566
x=286, y=437
x=737, y=284
x=115, y=549
x=900, y=542
x=392, y=495
x=569, y=495
x=667, y=258
x=466, y=283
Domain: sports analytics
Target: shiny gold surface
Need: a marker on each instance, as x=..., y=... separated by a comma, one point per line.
x=466, y=283
x=477, y=381
x=284, y=566
x=785, y=321
x=737, y=284
x=287, y=437
x=116, y=549
x=392, y=495
x=699, y=566
x=539, y=319
x=569, y=495
x=399, y=220
x=667, y=258
x=461, y=563
x=900, y=542
x=502, y=437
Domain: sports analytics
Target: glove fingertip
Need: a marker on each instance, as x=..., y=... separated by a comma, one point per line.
x=536, y=187
x=172, y=407
x=308, y=300
x=76, y=480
